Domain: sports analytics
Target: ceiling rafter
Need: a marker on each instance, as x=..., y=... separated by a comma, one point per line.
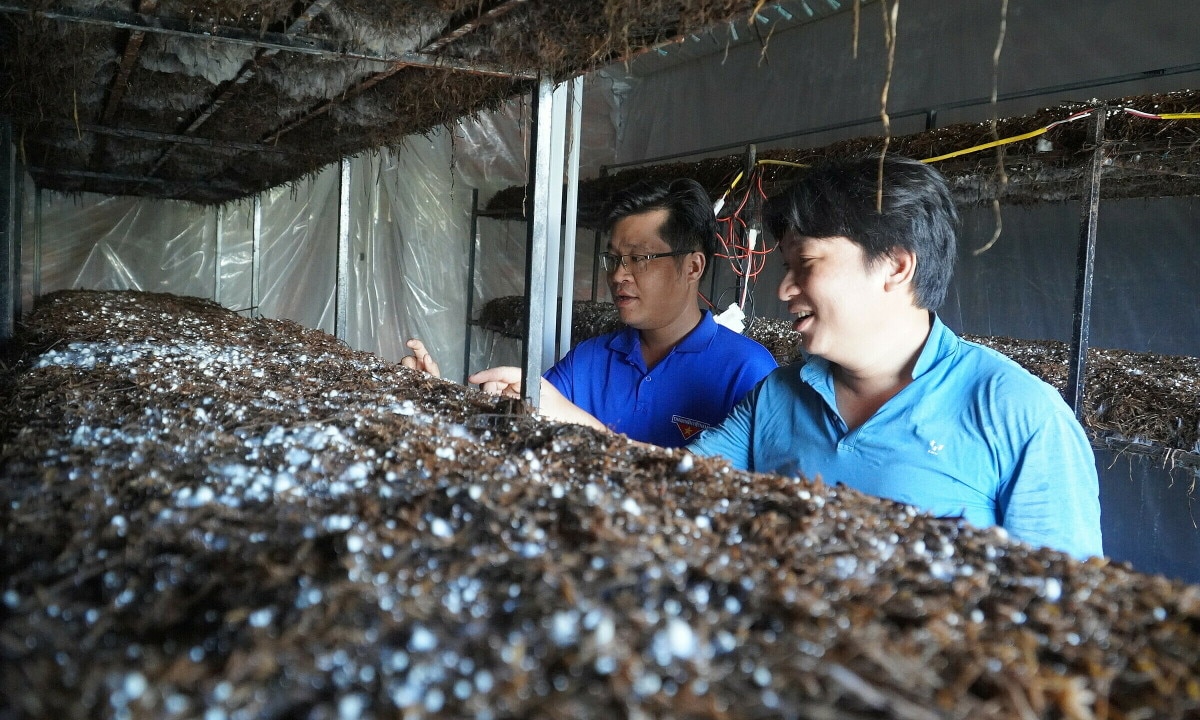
x=307, y=45
x=484, y=17
x=448, y=36
x=116, y=91
x=244, y=75
x=133, y=48
x=131, y=133
x=110, y=177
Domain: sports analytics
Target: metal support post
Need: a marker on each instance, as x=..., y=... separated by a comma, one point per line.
x=471, y=281
x=554, y=227
x=8, y=241
x=219, y=252
x=18, y=225
x=538, y=210
x=746, y=230
x=255, y=256
x=575, y=101
x=598, y=237
x=1088, y=222
x=341, y=293
x=37, y=244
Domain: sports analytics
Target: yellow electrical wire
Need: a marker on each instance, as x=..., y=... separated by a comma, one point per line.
x=977, y=148
x=782, y=162
x=1035, y=133
x=985, y=146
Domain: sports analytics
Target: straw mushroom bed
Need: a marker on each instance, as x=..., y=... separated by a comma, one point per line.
x=208, y=515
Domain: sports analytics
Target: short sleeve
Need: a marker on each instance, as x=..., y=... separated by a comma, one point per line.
x=730, y=439
x=1053, y=496
x=561, y=376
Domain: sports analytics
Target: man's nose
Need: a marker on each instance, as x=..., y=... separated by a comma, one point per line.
x=620, y=273
x=787, y=287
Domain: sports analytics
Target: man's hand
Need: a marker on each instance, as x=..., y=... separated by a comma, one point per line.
x=420, y=359
x=505, y=380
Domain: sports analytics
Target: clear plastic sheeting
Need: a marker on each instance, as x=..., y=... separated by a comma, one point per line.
x=105, y=243
x=410, y=229
x=235, y=238
x=500, y=272
x=491, y=149
x=297, y=270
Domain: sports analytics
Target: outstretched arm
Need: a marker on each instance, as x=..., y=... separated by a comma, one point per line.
x=506, y=380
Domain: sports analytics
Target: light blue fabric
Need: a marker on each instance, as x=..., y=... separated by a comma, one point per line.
x=974, y=435
x=692, y=388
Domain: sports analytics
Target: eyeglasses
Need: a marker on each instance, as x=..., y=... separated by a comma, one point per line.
x=634, y=263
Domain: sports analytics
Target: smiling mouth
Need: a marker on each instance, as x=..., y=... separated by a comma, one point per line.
x=801, y=318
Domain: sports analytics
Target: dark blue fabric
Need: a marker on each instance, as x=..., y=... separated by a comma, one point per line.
x=692, y=388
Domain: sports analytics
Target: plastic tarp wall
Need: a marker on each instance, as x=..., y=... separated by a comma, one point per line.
x=500, y=272
x=491, y=153
x=297, y=273
x=107, y=243
x=410, y=221
x=408, y=238
x=1144, y=287
x=809, y=77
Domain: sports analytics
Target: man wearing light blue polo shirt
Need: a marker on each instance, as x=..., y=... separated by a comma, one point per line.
x=889, y=400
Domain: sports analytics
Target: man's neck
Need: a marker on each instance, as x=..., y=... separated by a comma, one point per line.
x=658, y=342
x=863, y=389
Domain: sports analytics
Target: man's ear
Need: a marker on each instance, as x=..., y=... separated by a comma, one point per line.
x=693, y=266
x=901, y=267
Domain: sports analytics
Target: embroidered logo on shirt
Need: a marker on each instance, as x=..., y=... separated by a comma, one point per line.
x=934, y=447
x=688, y=427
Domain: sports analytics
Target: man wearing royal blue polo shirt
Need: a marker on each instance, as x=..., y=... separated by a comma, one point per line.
x=889, y=400
x=672, y=371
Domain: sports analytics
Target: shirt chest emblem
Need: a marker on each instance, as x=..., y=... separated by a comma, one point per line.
x=688, y=427
x=935, y=447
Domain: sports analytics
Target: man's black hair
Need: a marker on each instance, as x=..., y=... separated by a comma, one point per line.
x=690, y=223
x=837, y=198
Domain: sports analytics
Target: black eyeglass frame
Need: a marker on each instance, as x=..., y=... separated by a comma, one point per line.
x=607, y=258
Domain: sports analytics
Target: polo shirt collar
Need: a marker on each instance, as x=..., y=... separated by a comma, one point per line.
x=940, y=343
x=628, y=342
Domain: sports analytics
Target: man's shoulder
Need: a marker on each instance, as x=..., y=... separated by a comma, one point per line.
x=989, y=367
x=601, y=344
x=736, y=344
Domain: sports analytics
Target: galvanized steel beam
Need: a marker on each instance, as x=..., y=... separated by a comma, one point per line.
x=341, y=293
x=1085, y=266
x=570, y=213
x=8, y=240
x=537, y=210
